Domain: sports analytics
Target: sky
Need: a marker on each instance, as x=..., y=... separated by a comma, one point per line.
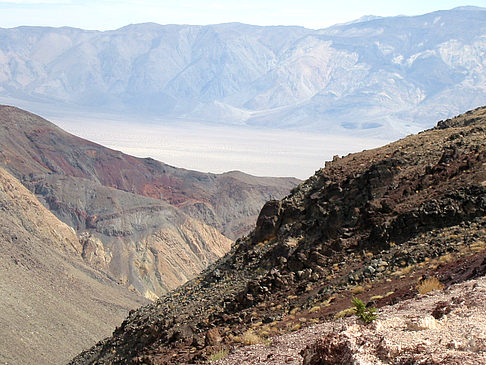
x=113, y=14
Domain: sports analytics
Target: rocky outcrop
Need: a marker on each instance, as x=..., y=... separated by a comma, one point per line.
x=410, y=332
x=268, y=220
x=432, y=329
x=373, y=224
x=48, y=295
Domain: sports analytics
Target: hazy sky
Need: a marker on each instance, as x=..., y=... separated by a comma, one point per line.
x=112, y=14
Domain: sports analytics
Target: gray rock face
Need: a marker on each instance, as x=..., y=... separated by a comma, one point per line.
x=377, y=76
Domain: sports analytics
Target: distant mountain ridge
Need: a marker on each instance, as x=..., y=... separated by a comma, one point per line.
x=378, y=76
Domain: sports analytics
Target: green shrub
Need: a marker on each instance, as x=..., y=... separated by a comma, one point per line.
x=367, y=315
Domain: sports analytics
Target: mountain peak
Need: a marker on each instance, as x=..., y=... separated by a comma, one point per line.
x=470, y=8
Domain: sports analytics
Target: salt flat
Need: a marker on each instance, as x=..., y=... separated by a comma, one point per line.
x=216, y=148
x=204, y=146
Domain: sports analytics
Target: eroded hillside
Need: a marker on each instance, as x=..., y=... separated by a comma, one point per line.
x=52, y=304
x=371, y=224
x=149, y=225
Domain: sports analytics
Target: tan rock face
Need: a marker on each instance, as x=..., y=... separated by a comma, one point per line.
x=93, y=252
x=168, y=257
x=52, y=304
x=15, y=198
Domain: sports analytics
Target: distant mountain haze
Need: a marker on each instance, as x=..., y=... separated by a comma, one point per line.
x=374, y=77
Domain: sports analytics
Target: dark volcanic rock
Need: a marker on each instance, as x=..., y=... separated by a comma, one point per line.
x=268, y=220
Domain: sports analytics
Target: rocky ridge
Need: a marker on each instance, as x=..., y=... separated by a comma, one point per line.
x=372, y=223
x=149, y=225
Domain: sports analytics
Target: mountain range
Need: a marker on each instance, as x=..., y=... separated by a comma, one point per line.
x=375, y=76
x=148, y=225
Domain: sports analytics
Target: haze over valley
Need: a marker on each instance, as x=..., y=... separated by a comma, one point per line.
x=233, y=84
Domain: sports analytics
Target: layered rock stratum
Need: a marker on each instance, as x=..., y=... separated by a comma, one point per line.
x=149, y=225
x=52, y=304
x=375, y=224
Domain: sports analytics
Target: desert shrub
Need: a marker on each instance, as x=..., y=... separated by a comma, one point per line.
x=250, y=338
x=429, y=285
x=367, y=315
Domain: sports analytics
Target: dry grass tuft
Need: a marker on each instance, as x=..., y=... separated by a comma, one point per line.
x=357, y=290
x=344, y=313
x=429, y=285
x=250, y=338
x=218, y=355
x=376, y=297
x=295, y=326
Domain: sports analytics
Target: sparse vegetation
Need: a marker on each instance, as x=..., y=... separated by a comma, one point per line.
x=429, y=285
x=218, y=355
x=344, y=313
x=357, y=290
x=367, y=315
x=250, y=338
x=294, y=326
x=377, y=297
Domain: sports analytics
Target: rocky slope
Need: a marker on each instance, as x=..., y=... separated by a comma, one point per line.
x=52, y=304
x=371, y=224
x=149, y=225
x=430, y=329
x=378, y=76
